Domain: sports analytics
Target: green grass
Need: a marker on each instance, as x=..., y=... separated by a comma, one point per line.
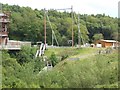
x=69, y=51
x=97, y=71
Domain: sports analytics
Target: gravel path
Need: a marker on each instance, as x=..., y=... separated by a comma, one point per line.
x=81, y=57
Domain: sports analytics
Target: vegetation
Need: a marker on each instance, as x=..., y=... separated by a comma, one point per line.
x=28, y=24
x=90, y=70
x=98, y=37
x=19, y=73
x=95, y=71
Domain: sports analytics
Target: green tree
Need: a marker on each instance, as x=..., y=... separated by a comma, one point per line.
x=98, y=37
x=25, y=55
x=28, y=25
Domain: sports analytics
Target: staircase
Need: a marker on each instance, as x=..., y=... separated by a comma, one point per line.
x=41, y=50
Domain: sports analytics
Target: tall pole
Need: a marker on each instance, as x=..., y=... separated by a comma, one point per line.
x=52, y=38
x=79, y=42
x=72, y=27
x=45, y=27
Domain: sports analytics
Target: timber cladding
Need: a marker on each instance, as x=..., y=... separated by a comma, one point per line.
x=107, y=43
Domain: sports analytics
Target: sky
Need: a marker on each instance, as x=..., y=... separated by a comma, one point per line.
x=109, y=7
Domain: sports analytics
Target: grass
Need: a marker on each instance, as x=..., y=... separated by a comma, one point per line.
x=97, y=71
x=70, y=51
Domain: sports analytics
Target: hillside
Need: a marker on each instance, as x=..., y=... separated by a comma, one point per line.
x=73, y=67
x=89, y=70
x=28, y=25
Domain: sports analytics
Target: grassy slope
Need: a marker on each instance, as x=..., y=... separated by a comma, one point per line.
x=92, y=71
x=69, y=51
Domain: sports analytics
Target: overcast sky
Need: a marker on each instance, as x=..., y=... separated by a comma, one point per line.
x=109, y=7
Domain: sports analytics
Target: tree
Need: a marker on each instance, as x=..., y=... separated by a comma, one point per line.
x=28, y=25
x=115, y=35
x=25, y=55
x=98, y=36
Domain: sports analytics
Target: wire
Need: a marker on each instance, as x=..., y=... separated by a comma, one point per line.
x=53, y=33
x=78, y=21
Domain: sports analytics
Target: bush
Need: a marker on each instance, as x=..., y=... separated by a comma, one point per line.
x=53, y=59
x=25, y=55
x=96, y=71
x=64, y=57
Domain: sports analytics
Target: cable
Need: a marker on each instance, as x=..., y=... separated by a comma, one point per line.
x=53, y=33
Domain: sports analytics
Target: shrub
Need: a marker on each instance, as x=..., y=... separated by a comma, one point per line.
x=53, y=59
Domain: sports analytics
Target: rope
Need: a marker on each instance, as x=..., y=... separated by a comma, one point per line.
x=52, y=30
x=78, y=21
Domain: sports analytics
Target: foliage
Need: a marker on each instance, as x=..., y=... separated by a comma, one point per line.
x=98, y=37
x=28, y=24
x=22, y=70
x=53, y=59
x=22, y=73
x=98, y=71
x=25, y=55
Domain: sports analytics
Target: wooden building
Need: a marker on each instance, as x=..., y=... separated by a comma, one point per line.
x=4, y=21
x=106, y=43
x=5, y=43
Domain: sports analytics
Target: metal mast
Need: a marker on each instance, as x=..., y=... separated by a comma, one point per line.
x=71, y=22
x=72, y=27
x=45, y=27
x=53, y=33
x=79, y=33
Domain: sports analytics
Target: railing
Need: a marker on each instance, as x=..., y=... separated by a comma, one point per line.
x=4, y=20
x=13, y=45
x=10, y=47
x=3, y=33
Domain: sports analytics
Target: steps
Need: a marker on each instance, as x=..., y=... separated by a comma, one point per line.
x=41, y=50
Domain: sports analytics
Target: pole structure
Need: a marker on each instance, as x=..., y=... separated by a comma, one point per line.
x=79, y=33
x=45, y=27
x=72, y=27
x=52, y=38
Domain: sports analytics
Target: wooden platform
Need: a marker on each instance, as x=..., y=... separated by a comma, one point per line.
x=10, y=47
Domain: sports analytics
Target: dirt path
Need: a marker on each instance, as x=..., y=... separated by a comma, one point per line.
x=81, y=57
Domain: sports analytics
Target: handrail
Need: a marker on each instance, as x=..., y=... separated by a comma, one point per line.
x=4, y=20
x=10, y=46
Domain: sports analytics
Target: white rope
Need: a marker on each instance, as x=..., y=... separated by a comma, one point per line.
x=52, y=30
x=79, y=27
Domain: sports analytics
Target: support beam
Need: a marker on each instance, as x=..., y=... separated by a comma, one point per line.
x=53, y=34
x=72, y=27
x=45, y=27
x=79, y=33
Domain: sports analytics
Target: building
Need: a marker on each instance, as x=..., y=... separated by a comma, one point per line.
x=106, y=43
x=4, y=21
x=5, y=43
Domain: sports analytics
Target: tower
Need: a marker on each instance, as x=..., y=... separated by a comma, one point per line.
x=4, y=21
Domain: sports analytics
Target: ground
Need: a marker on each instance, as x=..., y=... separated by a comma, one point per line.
x=85, y=67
